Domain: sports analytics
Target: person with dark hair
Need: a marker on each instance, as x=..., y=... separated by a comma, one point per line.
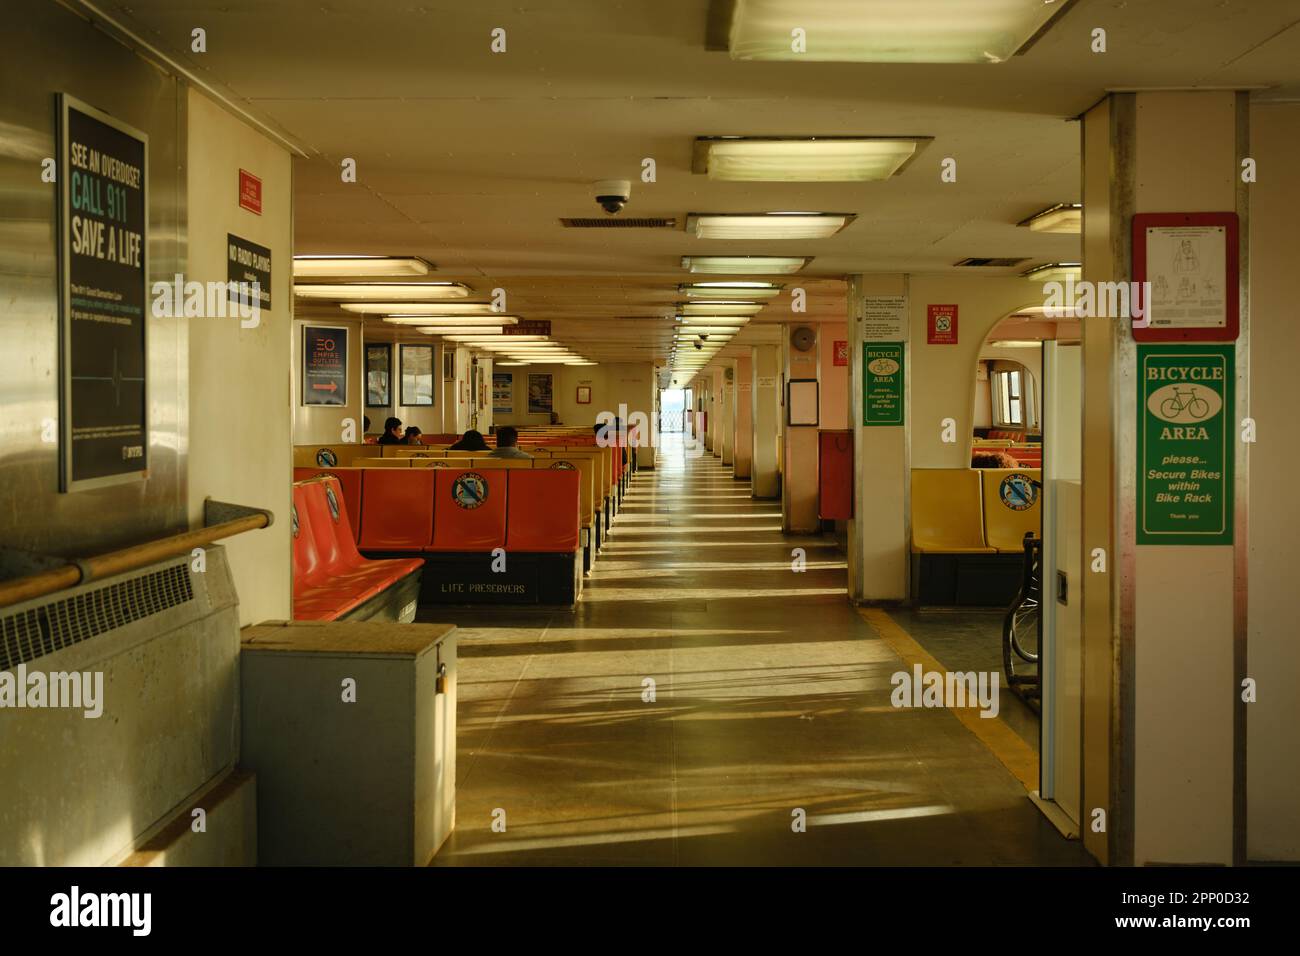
x=365, y=423
x=993, y=459
x=472, y=440
x=508, y=444
x=412, y=436
x=392, y=432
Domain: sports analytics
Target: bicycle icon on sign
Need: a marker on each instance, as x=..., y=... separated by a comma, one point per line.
x=1184, y=400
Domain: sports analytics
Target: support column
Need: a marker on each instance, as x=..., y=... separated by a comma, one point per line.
x=727, y=408
x=743, y=420
x=1164, y=622
x=799, y=449
x=765, y=425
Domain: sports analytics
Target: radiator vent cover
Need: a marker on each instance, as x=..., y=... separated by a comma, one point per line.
x=616, y=223
x=33, y=633
x=979, y=263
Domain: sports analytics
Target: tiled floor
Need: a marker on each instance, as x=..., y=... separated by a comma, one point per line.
x=771, y=695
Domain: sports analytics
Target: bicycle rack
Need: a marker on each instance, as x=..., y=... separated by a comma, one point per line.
x=1028, y=603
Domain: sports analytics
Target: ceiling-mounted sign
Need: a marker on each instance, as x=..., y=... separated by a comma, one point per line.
x=882, y=383
x=247, y=264
x=884, y=318
x=532, y=327
x=324, y=365
x=1187, y=266
x=250, y=192
x=841, y=353
x=941, y=324
x=1185, y=444
x=103, y=302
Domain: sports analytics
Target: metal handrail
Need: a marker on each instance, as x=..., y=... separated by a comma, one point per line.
x=133, y=558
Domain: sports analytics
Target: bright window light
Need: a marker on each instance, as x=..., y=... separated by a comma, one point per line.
x=1066, y=217
x=746, y=265
x=769, y=225
x=328, y=267
x=388, y=291
x=887, y=31
x=390, y=307
x=811, y=160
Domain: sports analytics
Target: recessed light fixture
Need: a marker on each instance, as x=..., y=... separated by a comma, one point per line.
x=728, y=320
x=719, y=308
x=460, y=330
x=1017, y=343
x=808, y=160
x=1066, y=217
x=388, y=307
x=485, y=321
x=745, y=265
x=513, y=338
x=388, y=291
x=767, y=225
x=1055, y=272
x=886, y=31
x=328, y=267
x=729, y=291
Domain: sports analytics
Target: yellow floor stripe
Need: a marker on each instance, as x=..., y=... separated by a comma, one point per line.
x=1004, y=743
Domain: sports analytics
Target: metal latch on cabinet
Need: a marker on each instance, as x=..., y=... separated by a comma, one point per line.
x=440, y=685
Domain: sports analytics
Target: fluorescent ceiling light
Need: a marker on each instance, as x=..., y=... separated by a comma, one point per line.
x=388, y=291
x=1017, y=343
x=513, y=338
x=814, y=159
x=767, y=225
x=1055, y=272
x=458, y=330
x=746, y=265
x=1064, y=217
x=474, y=321
x=508, y=364
x=732, y=320
x=327, y=267
x=694, y=330
x=729, y=290
x=720, y=308
x=887, y=31
x=390, y=307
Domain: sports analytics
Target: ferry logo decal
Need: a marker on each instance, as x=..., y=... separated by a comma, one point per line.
x=1018, y=492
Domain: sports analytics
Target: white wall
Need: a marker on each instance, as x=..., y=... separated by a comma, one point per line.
x=239, y=441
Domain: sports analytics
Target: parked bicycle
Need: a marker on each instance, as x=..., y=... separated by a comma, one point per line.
x=1022, y=629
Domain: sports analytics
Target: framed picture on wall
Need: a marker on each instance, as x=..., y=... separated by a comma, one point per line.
x=540, y=395
x=379, y=372
x=584, y=395
x=417, y=374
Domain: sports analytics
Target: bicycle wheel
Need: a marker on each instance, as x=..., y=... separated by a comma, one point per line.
x=1199, y=408
x=1170, y=409
x=1023, y=630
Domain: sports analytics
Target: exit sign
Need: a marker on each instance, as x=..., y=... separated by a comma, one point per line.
x=250, y=192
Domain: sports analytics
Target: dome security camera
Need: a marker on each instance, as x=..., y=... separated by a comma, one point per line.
x=612, y=194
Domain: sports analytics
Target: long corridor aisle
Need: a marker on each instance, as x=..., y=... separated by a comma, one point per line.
x=703, y=692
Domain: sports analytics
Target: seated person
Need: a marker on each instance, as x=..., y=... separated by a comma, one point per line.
x=392, y=432
x=412, y=436
x=508, y=444
x=472, y=440
x=993, y=459
x=365, y=431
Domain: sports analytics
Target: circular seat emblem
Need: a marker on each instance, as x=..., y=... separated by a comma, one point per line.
x=325, y=458
x=333, y=502
x=1018, y=492
x=563, y=466
x=469, y=490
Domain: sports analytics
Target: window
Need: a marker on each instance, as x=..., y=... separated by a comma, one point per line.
x=1013, y=404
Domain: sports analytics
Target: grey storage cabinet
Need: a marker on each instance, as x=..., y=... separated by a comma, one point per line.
x=364, y=783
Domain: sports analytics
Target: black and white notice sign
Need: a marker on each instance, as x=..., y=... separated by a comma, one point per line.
x=103, y=307
x=248, y=267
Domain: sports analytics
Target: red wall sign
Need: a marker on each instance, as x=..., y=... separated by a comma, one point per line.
x=841, y=353
x=941, y=324
x=250, y=192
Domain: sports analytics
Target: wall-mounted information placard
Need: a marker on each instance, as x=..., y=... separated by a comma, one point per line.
x=324, y=365
x=1190, y=261
x=884, y=318
x=882, y=383
x=1185, y=444
x=103, y=175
